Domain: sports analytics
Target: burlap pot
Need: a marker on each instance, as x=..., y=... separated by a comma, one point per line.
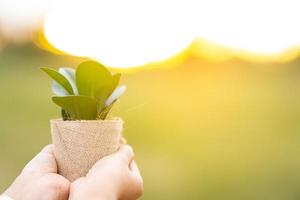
x=78, y=145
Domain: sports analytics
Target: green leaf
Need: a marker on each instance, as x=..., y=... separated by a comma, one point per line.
x=59, y=78
x=69, y=74
x=58, y=90
x=78, y=107
x=94, y=80
x=115, y=95
x=115, y=80
x=106, y=111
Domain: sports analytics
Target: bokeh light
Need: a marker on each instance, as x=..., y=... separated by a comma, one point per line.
x=265, y=27
x=19, y=18
x=119, y=33
x=137, y=32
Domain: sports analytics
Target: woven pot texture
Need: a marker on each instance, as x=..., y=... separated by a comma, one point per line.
x=78, y=145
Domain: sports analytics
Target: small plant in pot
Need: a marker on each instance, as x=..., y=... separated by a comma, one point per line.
x=85, y=133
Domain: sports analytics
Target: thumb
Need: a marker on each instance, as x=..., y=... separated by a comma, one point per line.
x=58, y=188
x=125, y=154
x=43, y=162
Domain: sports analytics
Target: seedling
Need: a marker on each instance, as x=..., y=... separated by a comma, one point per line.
x=88, y=93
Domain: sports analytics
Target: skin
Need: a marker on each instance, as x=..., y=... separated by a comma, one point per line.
x=115, y=177
x=39, y=180
x=125, y=181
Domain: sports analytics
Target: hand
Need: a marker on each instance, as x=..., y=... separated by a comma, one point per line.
x=39, y=180
x=113, y=177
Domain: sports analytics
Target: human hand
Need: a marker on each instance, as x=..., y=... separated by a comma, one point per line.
x=113, y=177
x=39, y=180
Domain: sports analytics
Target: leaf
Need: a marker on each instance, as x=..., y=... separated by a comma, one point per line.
x=94, y=80
x=78, y=107
x=69, y=74
x=65, y=115
x=58, y=90
x=59, y=78
x=105, y=112
x=115, y=95
x=116, y=80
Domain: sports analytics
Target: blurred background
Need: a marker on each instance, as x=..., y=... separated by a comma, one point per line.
x=212, y=107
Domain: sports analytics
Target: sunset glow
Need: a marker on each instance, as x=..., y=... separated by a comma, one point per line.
x=136, y=32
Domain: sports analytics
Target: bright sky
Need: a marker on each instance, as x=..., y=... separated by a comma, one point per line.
x=127, y=33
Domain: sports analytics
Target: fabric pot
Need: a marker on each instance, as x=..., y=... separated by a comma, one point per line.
x=78, y=145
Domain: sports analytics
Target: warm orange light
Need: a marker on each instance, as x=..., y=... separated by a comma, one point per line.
x=119, y=33
x=137, y=32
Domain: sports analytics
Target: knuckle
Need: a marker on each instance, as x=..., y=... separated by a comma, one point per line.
x=61, y=188
x=75, y=185
x=140, y=188
x=139, y=192
x=57, y=184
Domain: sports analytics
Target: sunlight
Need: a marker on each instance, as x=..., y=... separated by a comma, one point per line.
x=256, y=26
x=136, y=32
x=19, y=18
x=119, y=33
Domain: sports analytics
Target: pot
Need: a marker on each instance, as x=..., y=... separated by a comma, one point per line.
x=78, y=145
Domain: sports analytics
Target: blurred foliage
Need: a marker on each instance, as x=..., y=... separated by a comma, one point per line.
x=200, y=131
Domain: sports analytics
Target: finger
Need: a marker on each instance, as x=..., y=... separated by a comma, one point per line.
x=137, y=180
x=133, y=166
x=48, y=149
x=123, y=141
x=63, y=189
x=124, y=154
x=56, y=186
x=135, y=170
x=43, y=162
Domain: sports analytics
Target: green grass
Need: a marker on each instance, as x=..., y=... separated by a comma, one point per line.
x=200, y=131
